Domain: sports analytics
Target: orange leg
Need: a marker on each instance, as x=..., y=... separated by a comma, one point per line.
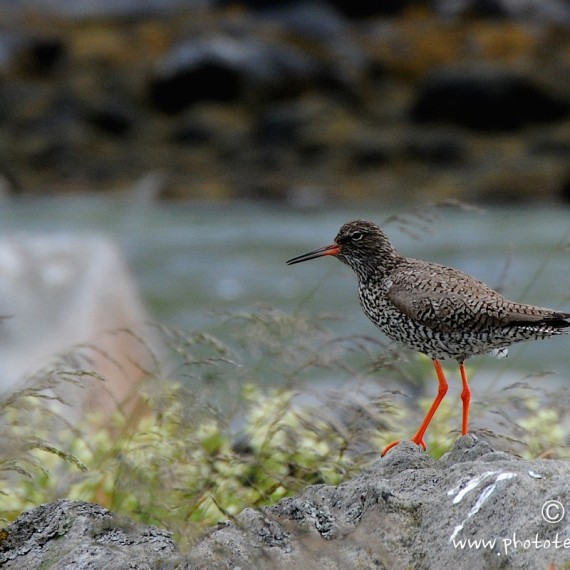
x=466, y=398
x=418, y=439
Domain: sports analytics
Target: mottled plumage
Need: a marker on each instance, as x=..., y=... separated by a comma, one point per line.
x=433, y=309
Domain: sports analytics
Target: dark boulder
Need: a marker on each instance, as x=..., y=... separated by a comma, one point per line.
x=485, y=99
x=226, y=69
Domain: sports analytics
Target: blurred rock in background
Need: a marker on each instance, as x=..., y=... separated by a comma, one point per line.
x=72, y=293
x=302, y=102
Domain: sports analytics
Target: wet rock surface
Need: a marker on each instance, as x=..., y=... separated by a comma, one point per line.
x=406, y=510
x=281, y=100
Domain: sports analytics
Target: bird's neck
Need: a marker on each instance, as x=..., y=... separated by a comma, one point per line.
x=376, y=267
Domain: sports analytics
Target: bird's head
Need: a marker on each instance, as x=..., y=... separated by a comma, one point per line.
x=360, y=244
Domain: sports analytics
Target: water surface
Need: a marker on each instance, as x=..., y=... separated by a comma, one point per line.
x=193, y=260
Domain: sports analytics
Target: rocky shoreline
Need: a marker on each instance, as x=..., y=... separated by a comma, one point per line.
x=298, y=102
x=474, y=508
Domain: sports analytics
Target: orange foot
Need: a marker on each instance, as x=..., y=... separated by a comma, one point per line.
x=394, y=443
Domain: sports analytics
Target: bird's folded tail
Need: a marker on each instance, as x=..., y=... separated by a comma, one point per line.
x=555, y=320
x=563, y=321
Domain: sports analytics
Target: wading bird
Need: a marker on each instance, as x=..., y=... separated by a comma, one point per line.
x=439, y=311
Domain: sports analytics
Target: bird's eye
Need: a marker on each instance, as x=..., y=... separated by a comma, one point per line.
x=357, y=236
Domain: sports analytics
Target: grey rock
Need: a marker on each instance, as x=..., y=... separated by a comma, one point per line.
x=323, y=27
x=78, y=535
x=406, y=510
x=81, y=9
x=57, y=287
x=313, y=20
x=225, y=68
x=552, y=11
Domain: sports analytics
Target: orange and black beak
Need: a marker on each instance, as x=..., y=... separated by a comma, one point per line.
x=333, y=249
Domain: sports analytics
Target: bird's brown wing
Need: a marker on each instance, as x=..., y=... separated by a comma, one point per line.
x=448, y=300
x=449, y=312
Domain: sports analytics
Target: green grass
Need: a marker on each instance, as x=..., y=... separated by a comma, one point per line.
x=210, y=441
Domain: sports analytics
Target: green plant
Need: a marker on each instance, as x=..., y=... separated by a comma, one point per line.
x=187, y=463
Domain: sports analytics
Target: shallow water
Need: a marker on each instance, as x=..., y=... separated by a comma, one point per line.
x=190, y=260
